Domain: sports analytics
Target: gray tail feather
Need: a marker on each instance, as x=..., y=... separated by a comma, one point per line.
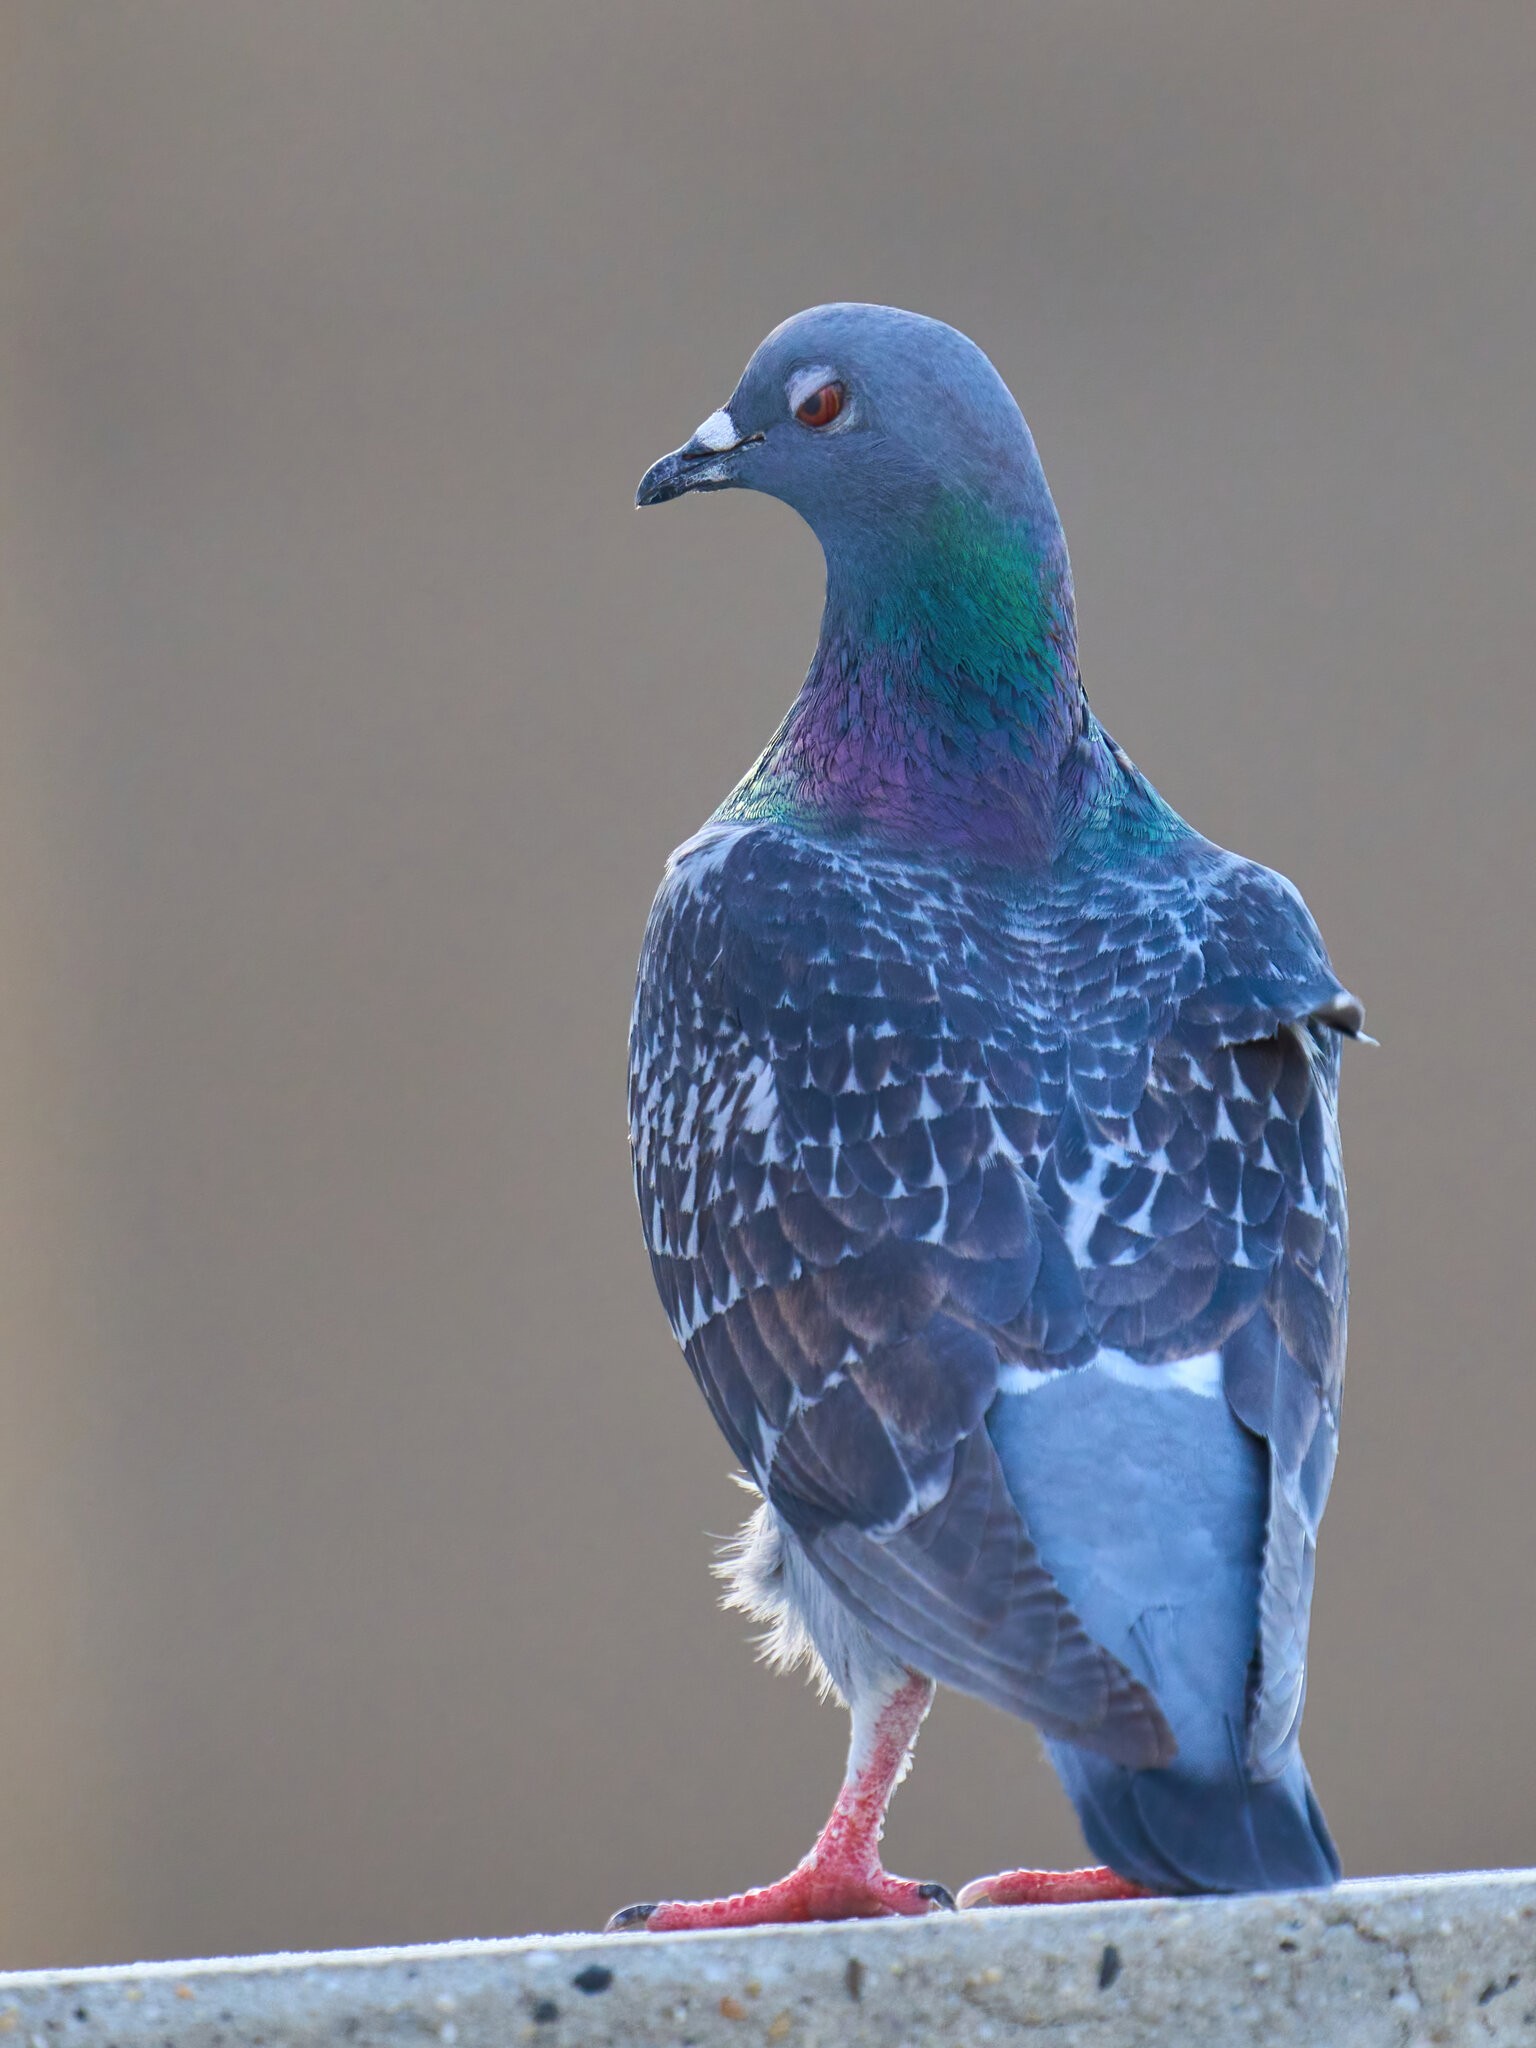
x=1178, y=1831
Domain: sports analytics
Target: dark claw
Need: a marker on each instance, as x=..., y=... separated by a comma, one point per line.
x=940, y=1894
x=632, y=1919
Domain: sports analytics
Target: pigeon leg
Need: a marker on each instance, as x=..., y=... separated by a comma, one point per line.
x=841, y=1878
x=1051, y=1888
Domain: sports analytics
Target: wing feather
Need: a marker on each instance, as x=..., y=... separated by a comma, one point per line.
x=894, y=1129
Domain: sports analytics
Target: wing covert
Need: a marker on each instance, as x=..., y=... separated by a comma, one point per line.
x=1212, y=1217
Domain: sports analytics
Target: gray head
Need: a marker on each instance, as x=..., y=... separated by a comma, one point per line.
x=865, y=419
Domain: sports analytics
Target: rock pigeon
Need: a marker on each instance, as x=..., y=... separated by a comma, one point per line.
x=984, y=1133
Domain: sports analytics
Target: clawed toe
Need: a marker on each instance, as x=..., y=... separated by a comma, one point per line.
x=808, y=1893
x=1049, y=1888
x=791, y=1899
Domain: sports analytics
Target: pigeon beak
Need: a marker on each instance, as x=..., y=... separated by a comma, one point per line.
x=710, y=461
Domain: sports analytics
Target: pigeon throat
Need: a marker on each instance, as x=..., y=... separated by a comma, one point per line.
x=942, y=701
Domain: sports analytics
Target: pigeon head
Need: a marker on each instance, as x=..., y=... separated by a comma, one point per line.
x=878, y=427
x=943, y=698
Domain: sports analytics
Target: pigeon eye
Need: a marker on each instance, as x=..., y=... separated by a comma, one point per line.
x=822, y=407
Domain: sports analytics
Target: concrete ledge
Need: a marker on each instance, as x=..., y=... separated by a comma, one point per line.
x=1400, y=1961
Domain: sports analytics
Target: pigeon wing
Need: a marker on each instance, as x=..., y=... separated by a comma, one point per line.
x=890, y=1135
x=1206, y=1198
x=848, y=1245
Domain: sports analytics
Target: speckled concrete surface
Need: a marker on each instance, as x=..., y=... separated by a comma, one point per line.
x=1399, y=1961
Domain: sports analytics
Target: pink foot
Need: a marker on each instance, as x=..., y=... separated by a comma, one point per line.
x=1051, y=1888
x=808, y=1893
x=841, y=1879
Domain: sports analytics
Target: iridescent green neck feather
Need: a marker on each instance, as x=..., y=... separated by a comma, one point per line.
x=943, y=697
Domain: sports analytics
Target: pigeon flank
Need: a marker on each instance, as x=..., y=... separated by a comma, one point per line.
x=985, y=1140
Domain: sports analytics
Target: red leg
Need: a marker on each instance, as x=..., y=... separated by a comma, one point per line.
x=1051, y=1888
x=841, y=1878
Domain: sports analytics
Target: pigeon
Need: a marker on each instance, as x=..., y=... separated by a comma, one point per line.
x=984, y=1131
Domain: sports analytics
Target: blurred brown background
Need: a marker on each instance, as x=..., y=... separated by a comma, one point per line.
x=353, y=1497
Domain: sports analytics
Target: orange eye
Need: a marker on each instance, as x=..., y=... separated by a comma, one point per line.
x=822, y=407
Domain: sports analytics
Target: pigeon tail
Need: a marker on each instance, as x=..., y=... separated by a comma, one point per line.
x=1184, y=1831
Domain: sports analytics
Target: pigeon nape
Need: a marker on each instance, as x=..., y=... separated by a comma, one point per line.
x=984, y=1129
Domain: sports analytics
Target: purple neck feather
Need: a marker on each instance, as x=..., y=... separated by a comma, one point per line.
x=941, y=705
